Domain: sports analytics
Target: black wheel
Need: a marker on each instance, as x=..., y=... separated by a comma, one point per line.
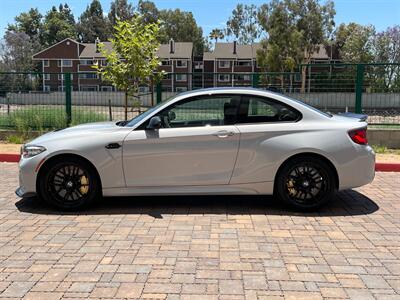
x=69, y=183
x=305, y=183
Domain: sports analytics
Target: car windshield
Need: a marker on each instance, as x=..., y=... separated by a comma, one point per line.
x=143, y=115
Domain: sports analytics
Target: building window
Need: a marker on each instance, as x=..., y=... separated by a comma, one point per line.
x=65, y=63
x=181, y=77
x=224, y=64
x=89, y=88
x=107, y=88
x=224, y=77
x=46, y=76
x=62, y=76
x=61, y=88
x=86, y=62
x=242, y=77
x=88, y=75
x=181, y=63
x=143, y=89
x=180, y=89
x=165, y=62
x=243, y=63
x=46, y=88
x=198, y=65
x=46, y=63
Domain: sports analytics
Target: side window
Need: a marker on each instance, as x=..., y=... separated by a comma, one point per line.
x=261, y=110
x=204, y=111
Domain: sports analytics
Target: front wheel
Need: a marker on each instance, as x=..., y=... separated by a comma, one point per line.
x=69, y=183
x=305, y=183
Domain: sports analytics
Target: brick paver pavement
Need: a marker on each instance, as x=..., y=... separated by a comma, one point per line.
x=202, y=247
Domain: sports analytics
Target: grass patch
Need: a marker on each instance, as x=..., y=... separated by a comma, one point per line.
x=16, y=139
x=384, y=150
x=42, y=118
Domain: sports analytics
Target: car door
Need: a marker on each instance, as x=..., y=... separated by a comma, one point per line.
x=266, y=128
x=197, y=145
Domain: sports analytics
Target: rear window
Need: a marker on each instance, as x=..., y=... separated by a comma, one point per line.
x=326, y=114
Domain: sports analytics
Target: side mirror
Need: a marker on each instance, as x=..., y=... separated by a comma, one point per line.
x=155, y=123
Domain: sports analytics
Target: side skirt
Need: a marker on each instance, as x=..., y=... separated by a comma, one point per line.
x=259, y=188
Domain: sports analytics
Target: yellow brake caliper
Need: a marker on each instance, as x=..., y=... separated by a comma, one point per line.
x=291, y=188
x=84, y=185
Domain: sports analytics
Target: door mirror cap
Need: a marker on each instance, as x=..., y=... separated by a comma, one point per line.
x=155, y=123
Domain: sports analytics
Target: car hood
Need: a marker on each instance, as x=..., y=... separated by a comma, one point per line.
x=88, y=129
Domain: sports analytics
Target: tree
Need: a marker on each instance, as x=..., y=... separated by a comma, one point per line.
x=93, y=24
x=315, y=22
x=281, y=51
x=244, y=24
x=216, y=34
x=16, y=52
x=387, y=49
x=120, y=10
x=148, y=10
x=133, y=60
x=58, y=25
x=356, y=43
x=181, y=26
x=28, y=22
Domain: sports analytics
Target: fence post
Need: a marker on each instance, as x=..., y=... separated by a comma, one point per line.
x=359, y=87
x=68, y=102
x=255, y=80
x=159, y=92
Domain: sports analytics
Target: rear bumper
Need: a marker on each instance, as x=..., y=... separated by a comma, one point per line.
x=359, y=171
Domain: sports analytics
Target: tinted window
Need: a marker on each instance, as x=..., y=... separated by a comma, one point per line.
x=201, y=111
x=260, y=110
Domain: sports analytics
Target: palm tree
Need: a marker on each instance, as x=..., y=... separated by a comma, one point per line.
x=217, y=34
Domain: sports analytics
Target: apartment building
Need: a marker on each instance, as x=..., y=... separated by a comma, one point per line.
x=229, y=58
x=79, y=58
x=229, y=64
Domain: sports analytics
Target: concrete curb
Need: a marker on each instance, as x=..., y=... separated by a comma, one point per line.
x=379, y=167
x=9, y=157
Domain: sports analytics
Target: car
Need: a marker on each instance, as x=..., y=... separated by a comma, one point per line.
x=231, y=141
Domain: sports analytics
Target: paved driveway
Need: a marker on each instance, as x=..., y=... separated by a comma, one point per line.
x=202, y=247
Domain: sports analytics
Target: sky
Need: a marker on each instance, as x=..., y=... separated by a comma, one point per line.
x=211, y=14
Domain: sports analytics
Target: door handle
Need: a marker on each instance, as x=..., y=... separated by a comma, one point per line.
x=113, y=146
x=223, y=133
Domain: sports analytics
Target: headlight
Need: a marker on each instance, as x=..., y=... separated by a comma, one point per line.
x=31, y=150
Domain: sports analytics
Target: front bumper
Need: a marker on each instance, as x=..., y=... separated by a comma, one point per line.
x=28, y=175
x=20, y=192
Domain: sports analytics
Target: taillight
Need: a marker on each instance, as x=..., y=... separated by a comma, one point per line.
x=359, y=136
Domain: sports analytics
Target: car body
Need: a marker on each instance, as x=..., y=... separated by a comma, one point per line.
x=210, y=141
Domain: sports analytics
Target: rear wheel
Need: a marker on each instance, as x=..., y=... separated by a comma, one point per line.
x=69, y=183
x=305, y=183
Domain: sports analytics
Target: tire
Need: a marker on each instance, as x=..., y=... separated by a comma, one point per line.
x=69, y=183
x=305, y=183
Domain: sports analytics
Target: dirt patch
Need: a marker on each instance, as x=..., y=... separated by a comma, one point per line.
x=9, y=148
x=388, y=158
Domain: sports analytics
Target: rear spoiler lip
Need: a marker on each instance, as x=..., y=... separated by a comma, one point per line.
x=360, y=117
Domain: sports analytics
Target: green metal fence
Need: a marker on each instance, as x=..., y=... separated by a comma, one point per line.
x=40, y=101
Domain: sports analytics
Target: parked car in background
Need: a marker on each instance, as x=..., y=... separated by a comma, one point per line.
x=210, y=141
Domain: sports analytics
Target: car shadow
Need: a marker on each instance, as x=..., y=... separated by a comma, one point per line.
x=345, y=203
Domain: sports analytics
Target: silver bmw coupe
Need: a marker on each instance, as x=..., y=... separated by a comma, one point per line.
x=210, y=141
